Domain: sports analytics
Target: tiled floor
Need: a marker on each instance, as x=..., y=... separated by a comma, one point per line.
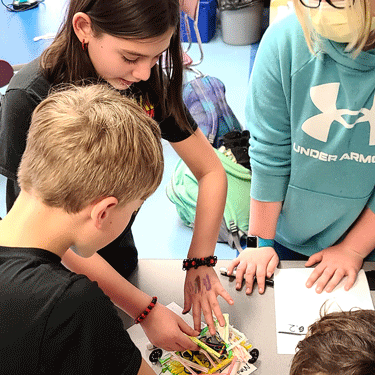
x=158, y=231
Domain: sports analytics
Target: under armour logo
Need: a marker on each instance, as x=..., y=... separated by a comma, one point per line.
x=324, y=98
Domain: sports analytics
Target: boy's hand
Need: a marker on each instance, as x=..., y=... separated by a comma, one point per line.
x=202, y=287
x=259, y=263
x=334, y=263
x=167, y=330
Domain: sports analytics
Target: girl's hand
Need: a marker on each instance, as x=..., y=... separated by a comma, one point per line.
x=167, y=330
x=202, y=287
x=259, y=263
x=334, y=263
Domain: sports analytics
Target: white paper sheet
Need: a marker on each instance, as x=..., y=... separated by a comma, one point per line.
x=140, y=339
x=297, y=306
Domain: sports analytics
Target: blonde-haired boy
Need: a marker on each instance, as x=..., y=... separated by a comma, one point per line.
x=92, y=158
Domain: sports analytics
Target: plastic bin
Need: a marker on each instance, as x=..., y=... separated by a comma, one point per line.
x=242, y=26
x=206, y=22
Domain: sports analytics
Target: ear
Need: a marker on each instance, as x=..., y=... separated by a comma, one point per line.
x=101, y=211
x=82, y=27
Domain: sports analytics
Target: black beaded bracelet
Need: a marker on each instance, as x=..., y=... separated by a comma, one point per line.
x=148, y=309
x=197, y=262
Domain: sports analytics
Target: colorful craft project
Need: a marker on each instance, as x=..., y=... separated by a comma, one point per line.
x=226, y=353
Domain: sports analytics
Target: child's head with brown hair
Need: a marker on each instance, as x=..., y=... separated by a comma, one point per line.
x=131, y=36
x=340, y=343
x=86, y=143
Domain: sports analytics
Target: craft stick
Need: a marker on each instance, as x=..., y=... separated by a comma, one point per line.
x=186, y=363
x=241, y=353
x=213, y=364
x=247, y=347
x=234, y=369
x=205, y=347
x=234, y=345
x=234, y=360
x=221, y=365
x=174, y=369
x=242, y=337
x=226, y=328
x=237, y=332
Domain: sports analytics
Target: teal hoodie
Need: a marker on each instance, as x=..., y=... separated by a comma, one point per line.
x=312, y=125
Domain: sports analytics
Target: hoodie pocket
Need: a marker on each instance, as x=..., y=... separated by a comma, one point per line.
x=315, y=219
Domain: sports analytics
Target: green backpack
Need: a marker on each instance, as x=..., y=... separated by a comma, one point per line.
x=182, y=190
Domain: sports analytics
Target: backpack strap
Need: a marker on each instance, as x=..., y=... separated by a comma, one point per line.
x=235, y=235
x=202, y=88
x=232, y=235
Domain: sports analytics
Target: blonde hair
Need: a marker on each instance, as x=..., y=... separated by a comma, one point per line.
x=89, y=142
x=359, y=15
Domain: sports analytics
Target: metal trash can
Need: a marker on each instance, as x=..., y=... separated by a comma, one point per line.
x=241, y=21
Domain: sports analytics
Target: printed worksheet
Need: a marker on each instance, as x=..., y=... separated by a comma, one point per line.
x=297, y=307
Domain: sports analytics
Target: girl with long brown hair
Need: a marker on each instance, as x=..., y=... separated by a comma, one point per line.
x=134, y=46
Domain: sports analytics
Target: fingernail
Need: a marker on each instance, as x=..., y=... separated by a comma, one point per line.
x=260, y=290
x=238, y=286
x=248, y=291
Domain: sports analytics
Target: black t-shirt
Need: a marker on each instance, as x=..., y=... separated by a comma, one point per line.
x=53, y=321
x=25, y=91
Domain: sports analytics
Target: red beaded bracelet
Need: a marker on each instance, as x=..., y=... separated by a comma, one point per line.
x=146, y=312
x=197, y=262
